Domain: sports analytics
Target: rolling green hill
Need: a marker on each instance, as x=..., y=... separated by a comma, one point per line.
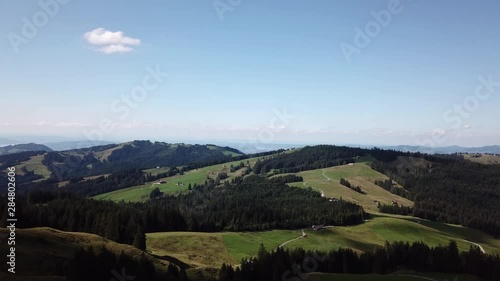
x=231, y=247
x=360, y=174
x=107, y=159
x=173, y=184
x=42, y=251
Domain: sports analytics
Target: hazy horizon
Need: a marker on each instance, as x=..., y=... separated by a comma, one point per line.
x=4, y=141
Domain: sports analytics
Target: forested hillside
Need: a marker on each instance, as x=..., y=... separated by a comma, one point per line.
x=454, y=191
x=445, y=188
x=134, y=155
x=113, y=158
x=309, y=158
x=285, y=265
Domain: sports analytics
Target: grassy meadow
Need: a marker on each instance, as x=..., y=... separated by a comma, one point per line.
x=231, y=247
x=360, y=174
x=141, y=193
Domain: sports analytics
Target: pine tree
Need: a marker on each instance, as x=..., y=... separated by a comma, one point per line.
x=140, y=239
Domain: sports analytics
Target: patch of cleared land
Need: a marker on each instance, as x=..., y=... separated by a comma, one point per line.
x=360, y=174
x=172, y=186
x=221, y=149
x=103, y=155
x=193, y=248
x=35, y=164
x=482, y=158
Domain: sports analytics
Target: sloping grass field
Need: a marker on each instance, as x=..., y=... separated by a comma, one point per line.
x=231, y=247
x=193, y=248
x=35, y=164
x=360, y=174
x=483, y=159
x=41, y=249
x=141, y=192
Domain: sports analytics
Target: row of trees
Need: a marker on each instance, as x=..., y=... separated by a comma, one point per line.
x=308, y=158
x=100, y=264
x=390, y=186
x=347, y=184
x=395, y=209
x=287, y=179
x=119, y=222
x=294, y=264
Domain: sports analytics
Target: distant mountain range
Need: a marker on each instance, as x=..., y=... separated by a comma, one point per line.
x=12, y=147
x=111, y=158
x=495, y=149
x=446, y=149
x=9, y=149
x=68, y=145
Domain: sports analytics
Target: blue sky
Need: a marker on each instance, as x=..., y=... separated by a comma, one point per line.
x=253, y=71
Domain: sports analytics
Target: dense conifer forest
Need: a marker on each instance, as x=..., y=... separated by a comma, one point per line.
x=283, y=264
x=309, y=158
x=453, y=191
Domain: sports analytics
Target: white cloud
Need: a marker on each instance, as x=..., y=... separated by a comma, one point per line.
x=112, y=42
x=115, y=49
